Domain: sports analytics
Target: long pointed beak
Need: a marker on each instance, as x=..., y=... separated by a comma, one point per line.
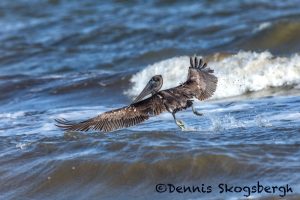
x=146, y=91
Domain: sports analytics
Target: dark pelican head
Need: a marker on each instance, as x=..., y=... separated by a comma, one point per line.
x=152, y=87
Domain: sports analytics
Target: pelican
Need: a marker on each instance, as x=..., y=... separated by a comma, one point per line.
x=201, y=83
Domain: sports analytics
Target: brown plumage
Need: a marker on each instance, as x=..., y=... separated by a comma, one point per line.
x=201, y=84
x=119, y=118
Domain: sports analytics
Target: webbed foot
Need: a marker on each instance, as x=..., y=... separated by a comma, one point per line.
x=180, y=124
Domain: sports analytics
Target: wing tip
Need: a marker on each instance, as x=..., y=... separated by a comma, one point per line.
x=200, y=65
x=63, y=123
x=200, y=70
x=85, y=126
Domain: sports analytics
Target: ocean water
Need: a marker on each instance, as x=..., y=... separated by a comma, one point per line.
x=75, y=60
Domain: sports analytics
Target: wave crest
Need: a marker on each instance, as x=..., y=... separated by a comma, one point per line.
x=237, y=74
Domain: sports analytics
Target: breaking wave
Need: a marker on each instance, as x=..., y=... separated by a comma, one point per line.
x=238, y=74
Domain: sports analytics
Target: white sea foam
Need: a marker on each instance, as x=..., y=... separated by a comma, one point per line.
x=292, y=116
x=237, y=74
x=22, y=145
x=12, y=115
x=262, y=26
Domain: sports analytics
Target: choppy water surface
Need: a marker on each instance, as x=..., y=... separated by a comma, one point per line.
x=78, y=59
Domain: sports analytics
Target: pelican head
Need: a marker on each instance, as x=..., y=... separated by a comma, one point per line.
x=152, y=87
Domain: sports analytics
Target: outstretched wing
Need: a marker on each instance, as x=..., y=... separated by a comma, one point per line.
x=201, y=81
x=119, y=118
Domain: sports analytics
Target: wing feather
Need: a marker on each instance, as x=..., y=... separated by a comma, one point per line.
x=118, y=118
x=201, y=80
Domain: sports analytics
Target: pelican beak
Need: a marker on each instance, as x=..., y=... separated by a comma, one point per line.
x=146, y=91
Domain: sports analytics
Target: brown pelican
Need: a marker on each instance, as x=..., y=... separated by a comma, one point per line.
x=200, y=84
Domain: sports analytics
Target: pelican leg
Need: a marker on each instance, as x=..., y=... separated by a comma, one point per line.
x=195, y=111
x=191, y=103
x=179, y=123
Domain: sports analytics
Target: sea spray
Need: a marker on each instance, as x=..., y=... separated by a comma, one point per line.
x=238, y=74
